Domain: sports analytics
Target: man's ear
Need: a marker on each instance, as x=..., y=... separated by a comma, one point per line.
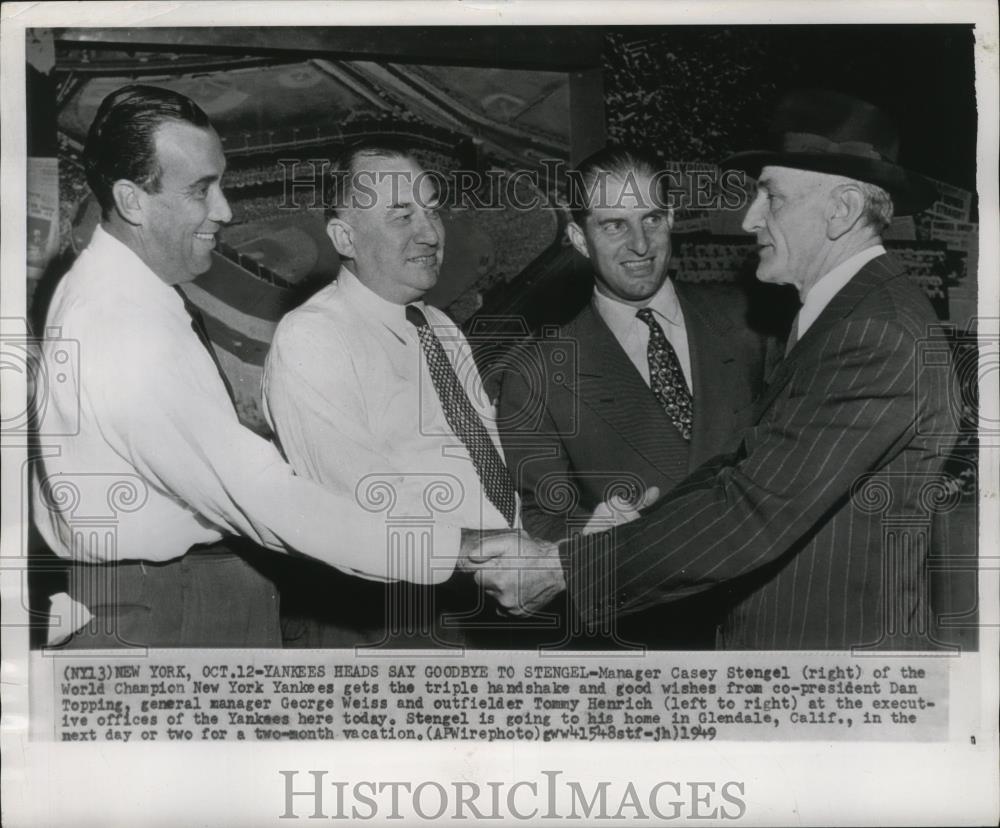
x=574, y=232
x=130, y=202
x=847, y=204
x=342, y=236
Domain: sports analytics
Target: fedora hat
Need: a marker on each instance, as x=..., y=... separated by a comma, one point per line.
x=829, y=132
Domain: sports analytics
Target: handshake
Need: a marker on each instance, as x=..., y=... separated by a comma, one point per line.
x=522, y=574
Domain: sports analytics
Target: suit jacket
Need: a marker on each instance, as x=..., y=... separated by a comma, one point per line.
x=579, y=423
x=820, y=517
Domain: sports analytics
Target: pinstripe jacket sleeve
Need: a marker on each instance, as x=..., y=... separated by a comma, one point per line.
x=781, y=518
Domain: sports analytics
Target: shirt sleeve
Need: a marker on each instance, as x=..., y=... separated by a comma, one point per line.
x=167, y=412
x=316, y=404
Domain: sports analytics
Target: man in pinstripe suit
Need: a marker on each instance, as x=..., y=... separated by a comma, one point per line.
x=811, y=519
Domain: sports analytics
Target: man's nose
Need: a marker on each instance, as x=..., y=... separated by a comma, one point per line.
x=428, y=231
x=752, y=221
x=638, y=241
x=219, y=210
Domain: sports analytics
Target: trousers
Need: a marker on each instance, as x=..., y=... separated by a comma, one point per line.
x=216, y=595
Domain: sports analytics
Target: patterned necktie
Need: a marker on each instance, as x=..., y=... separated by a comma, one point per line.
x=464, y=420
x=198, y=326
x=666, y=378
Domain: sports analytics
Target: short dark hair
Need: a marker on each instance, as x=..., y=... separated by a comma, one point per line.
x=121, y=141
x=614, y=159
x=346, y=166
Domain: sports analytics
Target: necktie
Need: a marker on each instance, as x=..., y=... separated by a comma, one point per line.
x=198, y=326
x=464, y=420
x=666, y=378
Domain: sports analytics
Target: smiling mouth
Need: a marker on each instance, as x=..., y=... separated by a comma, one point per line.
x=640, y=266
x=424, y=261
x=205, y=237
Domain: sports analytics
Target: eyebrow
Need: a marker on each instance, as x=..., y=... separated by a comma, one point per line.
x=205, y=179
x=657, y=211
x=406, y=205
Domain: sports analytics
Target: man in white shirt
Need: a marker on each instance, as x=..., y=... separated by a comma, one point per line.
x=354, y=395
x=662, y=380
x=148, y=480
x=820, y=518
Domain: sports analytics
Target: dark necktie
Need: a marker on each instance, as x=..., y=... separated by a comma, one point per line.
x=198, y=326
x=464, y=420
x=666, y=379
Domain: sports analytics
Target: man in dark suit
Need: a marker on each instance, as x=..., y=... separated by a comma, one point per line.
x=661, y=378
x=819, y=517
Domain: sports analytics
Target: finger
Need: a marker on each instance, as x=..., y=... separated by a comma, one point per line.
x=486, y=581
x=493, y=546
x=649, y=498
x=518, y=608
x=501, y=589
x=466, y=564
x=481, y=556
x=620, y=505
x=629, y=507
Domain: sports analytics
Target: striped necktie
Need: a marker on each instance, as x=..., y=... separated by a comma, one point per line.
x=464, y=420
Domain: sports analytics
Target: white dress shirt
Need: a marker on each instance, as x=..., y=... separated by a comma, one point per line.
x=633, y=334
x=348, y=392
x=829, y=285
x=143, y=451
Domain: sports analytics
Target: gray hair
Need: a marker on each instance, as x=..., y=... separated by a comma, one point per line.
x=878, y=206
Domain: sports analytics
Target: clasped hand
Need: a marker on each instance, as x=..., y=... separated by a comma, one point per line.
x=522, y=574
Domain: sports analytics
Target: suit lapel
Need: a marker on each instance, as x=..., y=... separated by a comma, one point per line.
x=609, y=384
x=712, y=366
x=869, y=278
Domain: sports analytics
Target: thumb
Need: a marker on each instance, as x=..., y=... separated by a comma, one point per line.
x=486, y=546
x=648, y=499
x=629, y=507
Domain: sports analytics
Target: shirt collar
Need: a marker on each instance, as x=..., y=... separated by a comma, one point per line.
x=389, y=313
x=132, y=276
x=619, y=316
x=830, y=284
